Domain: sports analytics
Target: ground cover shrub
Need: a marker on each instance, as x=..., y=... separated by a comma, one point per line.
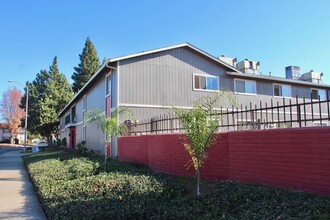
x=64, y=143
x=73, y=187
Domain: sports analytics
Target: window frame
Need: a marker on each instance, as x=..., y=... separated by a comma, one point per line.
x=84, y=103
x=108, y=96
x=245, y=93
x=277, y=84
x=206, y=76
x=107, y=79
x=318, y=94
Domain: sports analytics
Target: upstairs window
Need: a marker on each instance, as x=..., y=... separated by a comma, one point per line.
x=282, y=90
x=84, y=103
x=108, y=96
x=245, y=86
x=73, y=114
x=84, y=109
x=108, y=85
x=202, y=82
x=319, y=92
x=67, y=119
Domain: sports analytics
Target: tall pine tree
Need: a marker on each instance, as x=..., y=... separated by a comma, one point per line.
x=89, y=64
x=49, y=93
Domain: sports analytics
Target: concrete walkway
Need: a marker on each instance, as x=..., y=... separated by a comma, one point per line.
x=18, y=199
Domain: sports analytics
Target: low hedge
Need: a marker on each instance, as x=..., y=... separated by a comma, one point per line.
x=72, y=187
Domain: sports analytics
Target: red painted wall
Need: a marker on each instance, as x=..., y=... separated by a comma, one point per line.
x=292, y=158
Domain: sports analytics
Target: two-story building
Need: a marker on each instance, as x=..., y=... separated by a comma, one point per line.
x=152, y=82
x=5, y=134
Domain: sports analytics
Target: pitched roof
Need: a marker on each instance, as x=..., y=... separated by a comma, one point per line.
x=111, y=60
x=233, y=72
x=174, y=47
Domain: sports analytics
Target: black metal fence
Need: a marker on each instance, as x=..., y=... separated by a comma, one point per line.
x=283, y=113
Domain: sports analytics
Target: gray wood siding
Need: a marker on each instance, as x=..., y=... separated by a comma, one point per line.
x=95, y=100
x=96, y=95
x=165, y=78
x=79, y=112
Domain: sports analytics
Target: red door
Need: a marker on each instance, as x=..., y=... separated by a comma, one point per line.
x=73, y=137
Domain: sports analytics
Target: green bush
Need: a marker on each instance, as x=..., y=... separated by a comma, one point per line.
x=58, y=142
x=81, y=149
x=72, y=187
x=64, y=144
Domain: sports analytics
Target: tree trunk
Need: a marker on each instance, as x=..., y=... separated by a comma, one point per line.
x=11, y=137
x=105, y=151
x=198, y=171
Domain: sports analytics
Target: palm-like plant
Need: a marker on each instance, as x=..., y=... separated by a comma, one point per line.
x=109, y=125
x=200, y=125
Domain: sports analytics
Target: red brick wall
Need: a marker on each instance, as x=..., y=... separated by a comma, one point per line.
x=133, y=149
x=165, y=153
x=291, y=158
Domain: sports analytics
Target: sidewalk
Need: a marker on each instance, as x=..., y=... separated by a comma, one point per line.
x=18, y=199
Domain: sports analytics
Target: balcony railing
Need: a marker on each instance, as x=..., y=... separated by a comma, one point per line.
x=263, y=116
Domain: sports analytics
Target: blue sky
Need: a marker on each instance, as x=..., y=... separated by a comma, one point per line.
x=276, y=33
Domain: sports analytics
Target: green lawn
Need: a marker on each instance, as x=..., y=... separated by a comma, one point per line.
x=72, y=187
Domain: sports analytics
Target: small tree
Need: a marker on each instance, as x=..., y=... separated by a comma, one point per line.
x=109, y=126
x=200, y=124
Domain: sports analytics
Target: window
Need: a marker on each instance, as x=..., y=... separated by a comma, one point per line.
x=67, y=119
x=108, y=97
x=245, y=86
x=250, y=64
x=73, y=114
x=6, y=130
x=84, y=103
x=206, y=82
x=319, y=92
x=108, y=85
x=282, y=90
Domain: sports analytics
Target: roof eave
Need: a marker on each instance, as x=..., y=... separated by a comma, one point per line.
x=84, y=87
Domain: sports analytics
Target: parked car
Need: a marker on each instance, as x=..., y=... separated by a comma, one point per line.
x=42, y=144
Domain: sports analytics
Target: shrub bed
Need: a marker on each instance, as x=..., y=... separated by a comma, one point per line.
x=72, y=187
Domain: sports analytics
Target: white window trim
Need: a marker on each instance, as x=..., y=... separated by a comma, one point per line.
x=205, y=90
x=275, y=96
x=318, y=92
x=245, y=93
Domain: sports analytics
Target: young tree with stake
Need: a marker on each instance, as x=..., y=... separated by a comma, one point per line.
x=200, y=125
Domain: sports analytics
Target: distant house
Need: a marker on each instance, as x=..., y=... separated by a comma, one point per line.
x=151, y=82
x=4, y=132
